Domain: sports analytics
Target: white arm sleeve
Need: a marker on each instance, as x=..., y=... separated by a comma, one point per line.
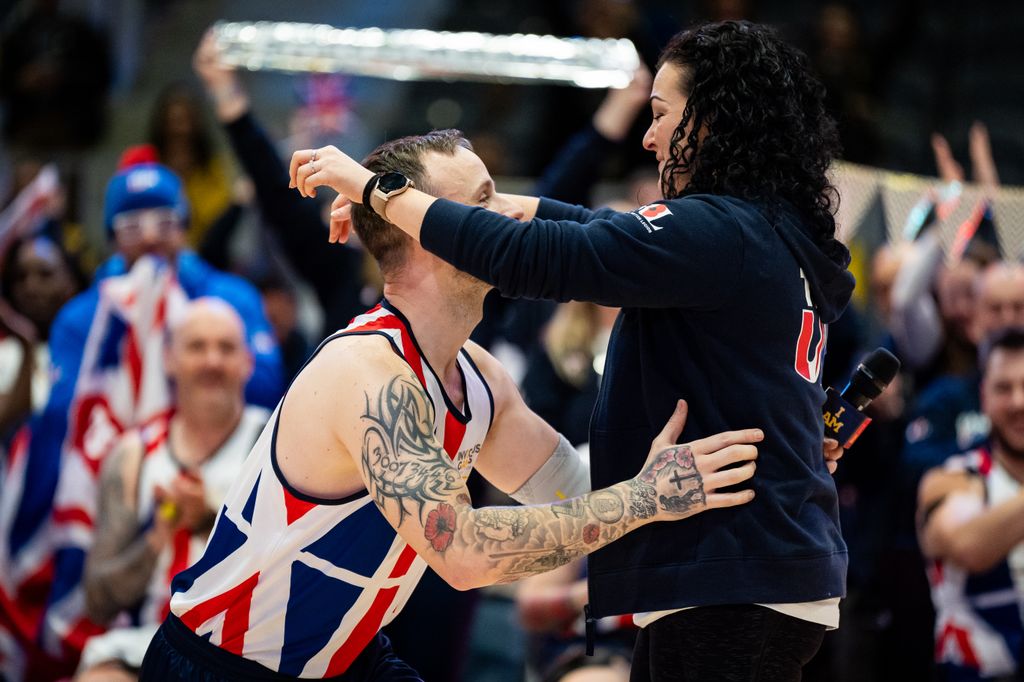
x=565, y=474
x=916, y=323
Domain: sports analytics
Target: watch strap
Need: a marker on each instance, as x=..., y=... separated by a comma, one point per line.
x=371, y=185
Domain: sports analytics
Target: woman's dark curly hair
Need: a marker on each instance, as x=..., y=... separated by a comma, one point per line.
x=758, y=129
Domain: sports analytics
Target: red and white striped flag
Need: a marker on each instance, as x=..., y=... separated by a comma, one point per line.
x=122, y=384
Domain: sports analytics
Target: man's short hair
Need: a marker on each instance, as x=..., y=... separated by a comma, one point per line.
x=1008, y=339
x=385, y=242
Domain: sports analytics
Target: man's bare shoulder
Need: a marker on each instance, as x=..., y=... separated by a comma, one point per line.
x=331, y=388
x=360, y=353
x=322, y=419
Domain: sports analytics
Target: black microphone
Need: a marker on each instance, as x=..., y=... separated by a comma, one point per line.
x=870, y=378
x=844, y=420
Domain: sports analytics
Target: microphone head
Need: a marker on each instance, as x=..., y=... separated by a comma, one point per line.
x=874, y=373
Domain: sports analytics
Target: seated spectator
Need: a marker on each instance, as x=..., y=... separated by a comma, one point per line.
x=161, y=488
x=971, y=527
x=37, y=278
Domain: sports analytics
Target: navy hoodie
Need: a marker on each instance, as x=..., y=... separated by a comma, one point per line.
x=723, y=304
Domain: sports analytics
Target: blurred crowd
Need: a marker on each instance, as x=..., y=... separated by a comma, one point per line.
x=136, y=371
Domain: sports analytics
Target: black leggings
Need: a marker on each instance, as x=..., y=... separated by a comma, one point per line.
x=725, y=643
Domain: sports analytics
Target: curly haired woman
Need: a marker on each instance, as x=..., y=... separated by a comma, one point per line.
x=726, y=287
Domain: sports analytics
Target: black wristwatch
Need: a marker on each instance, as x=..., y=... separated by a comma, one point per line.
x=381, y=187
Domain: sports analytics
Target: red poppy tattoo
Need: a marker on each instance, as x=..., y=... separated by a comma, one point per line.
x=440, y=527
x=591, y=532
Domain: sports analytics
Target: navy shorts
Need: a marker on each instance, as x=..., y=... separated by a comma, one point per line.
x=177, y=654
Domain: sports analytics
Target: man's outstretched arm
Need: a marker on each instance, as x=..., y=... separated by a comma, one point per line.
x=422, y=494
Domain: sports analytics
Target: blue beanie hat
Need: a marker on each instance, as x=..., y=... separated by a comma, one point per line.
x=149, y=185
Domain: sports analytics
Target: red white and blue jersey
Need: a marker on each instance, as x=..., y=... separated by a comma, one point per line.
x=302, y=584
x=218, y=473
x=979, y=630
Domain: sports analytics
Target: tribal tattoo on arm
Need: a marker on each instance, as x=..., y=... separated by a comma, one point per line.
x=407, y=470
x=400, y=454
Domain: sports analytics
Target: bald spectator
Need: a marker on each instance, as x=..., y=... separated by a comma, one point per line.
x=160, y=488
x=1000, y=299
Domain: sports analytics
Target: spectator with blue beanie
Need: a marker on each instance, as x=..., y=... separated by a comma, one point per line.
x=146, y=212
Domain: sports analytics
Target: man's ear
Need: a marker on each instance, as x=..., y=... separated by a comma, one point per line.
x=251, y=360
x=341, y=220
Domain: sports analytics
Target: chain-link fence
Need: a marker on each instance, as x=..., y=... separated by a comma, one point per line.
x=882, y=206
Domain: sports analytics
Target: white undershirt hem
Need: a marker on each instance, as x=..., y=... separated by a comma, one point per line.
x=824, y=612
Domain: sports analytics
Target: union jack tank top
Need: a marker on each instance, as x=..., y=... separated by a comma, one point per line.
x=302, y=584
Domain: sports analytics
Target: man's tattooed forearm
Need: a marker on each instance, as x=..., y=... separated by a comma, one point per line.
x=522, y=541
x=607, y=506
x=501, y=523
x=641, y=499
x=399, y=454
x=575, y=508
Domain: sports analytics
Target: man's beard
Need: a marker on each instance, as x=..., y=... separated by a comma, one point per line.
x=465, y=285
x=1004, y=446
x=466, y=294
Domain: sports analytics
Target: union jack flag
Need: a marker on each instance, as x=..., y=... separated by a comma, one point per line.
x=121, y=384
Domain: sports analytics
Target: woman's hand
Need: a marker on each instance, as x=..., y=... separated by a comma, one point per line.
x=328, y=167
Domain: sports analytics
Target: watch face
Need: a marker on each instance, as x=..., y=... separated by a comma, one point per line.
x=389, y=182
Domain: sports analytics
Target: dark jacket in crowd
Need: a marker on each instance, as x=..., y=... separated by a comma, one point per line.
x=334, y=271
